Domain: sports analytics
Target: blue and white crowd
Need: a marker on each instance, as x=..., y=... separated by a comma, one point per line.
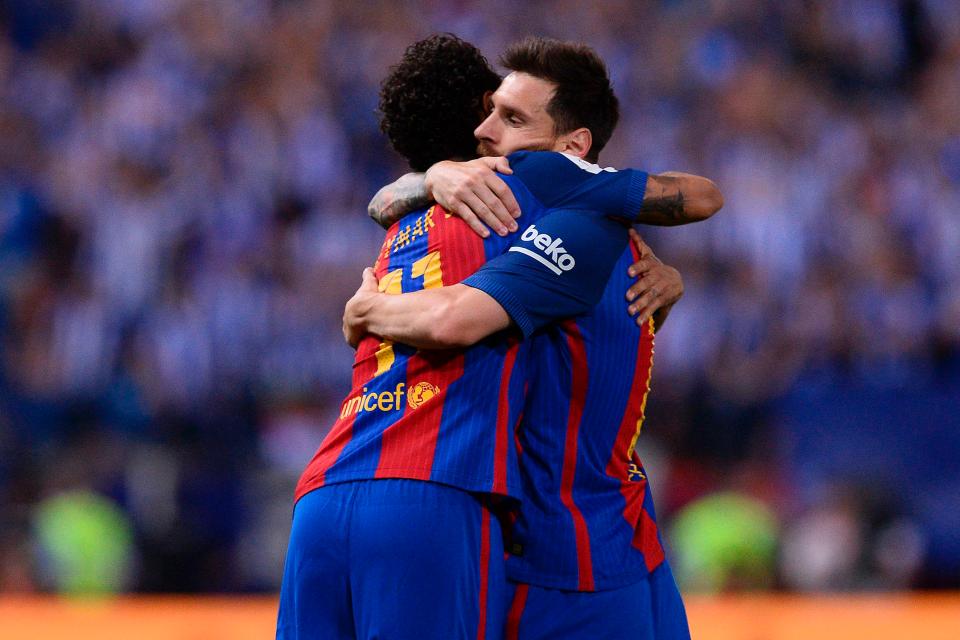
x=183, y=186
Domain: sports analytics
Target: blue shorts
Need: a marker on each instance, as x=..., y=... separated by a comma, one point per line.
x=651, y=609
x=393, y=559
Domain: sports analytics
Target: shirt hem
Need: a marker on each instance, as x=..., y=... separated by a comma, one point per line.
x=569, y=583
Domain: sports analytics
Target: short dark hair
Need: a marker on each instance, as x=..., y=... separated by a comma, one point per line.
x=584, y=96
x=431, y=102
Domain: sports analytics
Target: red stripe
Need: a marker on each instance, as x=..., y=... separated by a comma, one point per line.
x=516, y=612
x=578, y=394
x=380, y=266
x=503, y=417
x=617, y=466
x=341, y=432
x=645, y=538
x=465, y=248
x=484, y=572
x=645, y=528
x=408, y=445
x=516, y=430
x=516, y=434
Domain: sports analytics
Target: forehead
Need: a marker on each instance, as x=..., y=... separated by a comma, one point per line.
x=524, y=92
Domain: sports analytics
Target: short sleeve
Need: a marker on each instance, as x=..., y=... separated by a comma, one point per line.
x=557, y=268
x=563, y=181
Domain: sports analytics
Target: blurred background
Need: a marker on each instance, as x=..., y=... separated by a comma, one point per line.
x=183, y=186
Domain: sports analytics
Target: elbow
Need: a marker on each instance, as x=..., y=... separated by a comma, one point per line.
x=714, y=199
x=709, y=202
x=375, y=206
x=378, y=209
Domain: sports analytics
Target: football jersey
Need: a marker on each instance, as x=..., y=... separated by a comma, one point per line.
x=450, y=416
x=587, y=521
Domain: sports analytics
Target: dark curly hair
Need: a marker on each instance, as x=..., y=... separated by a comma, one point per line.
x=432, y=101
x=584, y=96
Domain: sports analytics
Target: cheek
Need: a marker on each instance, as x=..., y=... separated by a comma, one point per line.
x=508, y=134
x=516, y=139
x=511, y=140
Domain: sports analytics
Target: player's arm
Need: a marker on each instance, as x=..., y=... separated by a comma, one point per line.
x=557, y=270
x=471, y=190
x=398, y=198
x=562, y=181
x=461, y=315
x=675, y=198
x=448, y=317
x=657, y=289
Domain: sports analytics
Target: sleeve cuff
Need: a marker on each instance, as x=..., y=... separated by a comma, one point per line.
x=635, y=193
x=510, y=303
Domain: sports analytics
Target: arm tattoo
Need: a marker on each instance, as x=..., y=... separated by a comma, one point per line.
x=397, y=199
x=670, y=206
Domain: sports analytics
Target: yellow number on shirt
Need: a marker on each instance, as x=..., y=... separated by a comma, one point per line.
x=428, y=267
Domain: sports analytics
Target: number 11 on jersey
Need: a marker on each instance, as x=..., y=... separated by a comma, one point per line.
x=429, y=268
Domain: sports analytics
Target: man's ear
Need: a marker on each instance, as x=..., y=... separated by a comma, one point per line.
x=577, y=142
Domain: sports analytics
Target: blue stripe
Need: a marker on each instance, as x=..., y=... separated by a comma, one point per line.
x=468, y=425
x=611, y=339
x=363, y=450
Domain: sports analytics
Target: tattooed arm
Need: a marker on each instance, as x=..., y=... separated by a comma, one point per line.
x=675, y=198
x=395, y=200
x=473, y=191
x=470, y=190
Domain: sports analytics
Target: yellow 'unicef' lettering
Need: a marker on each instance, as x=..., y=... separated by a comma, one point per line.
x=416, y=396
x=374, y=401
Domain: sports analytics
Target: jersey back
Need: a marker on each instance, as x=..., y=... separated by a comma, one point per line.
x=419, y=414
x=587, y=522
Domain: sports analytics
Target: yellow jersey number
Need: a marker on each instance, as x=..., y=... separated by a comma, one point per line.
x=429, y=268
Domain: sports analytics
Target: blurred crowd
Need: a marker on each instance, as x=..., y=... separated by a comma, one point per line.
x=183, y=186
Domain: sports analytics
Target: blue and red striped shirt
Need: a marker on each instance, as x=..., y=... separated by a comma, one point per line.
x=450, y=416
x=587, y=521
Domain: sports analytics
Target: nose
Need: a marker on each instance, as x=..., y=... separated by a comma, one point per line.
x=484, y=132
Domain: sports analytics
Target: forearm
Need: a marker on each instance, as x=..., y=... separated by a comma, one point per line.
x=408, y=318
x=675, y=198
x=444, y=318
x=398, y=198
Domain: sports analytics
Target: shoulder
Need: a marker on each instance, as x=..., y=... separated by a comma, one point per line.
x=563, y=180
x=550, y=175
x=556, y=161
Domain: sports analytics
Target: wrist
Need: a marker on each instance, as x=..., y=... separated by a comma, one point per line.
x=430, y=178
